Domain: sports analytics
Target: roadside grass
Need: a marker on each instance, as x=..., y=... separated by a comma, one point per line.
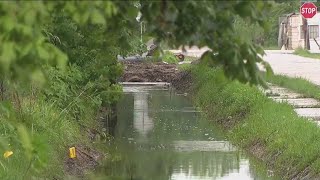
x=297, y=84
x=306, y=53
x=271, y=48
x=42, y=150
x=286, y=142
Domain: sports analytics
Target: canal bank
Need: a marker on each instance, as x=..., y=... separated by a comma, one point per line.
x=160, y=135
x=270, y=131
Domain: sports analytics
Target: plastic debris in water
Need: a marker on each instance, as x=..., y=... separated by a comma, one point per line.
x=72, y=152
x=7, y=154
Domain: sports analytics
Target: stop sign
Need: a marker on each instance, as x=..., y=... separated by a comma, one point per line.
x=308, y=10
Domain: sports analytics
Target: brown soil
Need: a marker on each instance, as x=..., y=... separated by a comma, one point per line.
x=86, y=159
x=157, y=72
x=148, y=72
x=182, y=81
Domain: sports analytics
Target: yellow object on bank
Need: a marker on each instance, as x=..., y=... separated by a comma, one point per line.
x=7, y=154
x=72, y=152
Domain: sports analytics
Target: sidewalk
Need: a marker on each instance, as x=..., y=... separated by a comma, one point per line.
x=304, y=107
x=283, y=62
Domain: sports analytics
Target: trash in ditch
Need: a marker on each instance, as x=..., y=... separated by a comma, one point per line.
x=7, y=154
x=72, y=152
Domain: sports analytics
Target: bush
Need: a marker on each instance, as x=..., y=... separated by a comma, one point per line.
x=170, y=58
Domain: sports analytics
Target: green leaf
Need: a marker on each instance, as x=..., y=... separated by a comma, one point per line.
x=8, y=23
x=268, y=68
x=38, y=77
x=25, y=140
x=97, y=18
x=7, y=55
x=43, y=54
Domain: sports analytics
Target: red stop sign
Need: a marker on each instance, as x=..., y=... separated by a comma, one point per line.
x=308, y=10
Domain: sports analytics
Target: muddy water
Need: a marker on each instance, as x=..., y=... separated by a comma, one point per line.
x=159, y=135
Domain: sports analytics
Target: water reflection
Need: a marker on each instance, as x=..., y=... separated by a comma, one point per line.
x=203, y=146
x=141, y=120
x=160, y=136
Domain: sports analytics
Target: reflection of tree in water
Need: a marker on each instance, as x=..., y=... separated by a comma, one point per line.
x=257, y=168
x=207, y=164
x=125, y=116
x=173, y=124
x=152, y=159
x=143, y=165
x=161, y=165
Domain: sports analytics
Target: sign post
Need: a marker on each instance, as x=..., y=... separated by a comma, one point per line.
x=308, y=10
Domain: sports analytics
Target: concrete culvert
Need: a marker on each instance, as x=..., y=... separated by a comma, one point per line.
x=135, y=79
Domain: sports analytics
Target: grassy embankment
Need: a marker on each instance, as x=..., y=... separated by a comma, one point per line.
x=271, y=131
x=45, y=131
x=42, y=150
x=306, y=53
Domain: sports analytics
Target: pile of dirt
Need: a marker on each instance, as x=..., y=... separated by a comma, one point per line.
x=182, y=81
x=137, y=71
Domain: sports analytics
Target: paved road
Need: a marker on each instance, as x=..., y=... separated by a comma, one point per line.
x=283, y=62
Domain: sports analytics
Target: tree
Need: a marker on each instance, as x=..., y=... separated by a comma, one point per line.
x=211, y=23
x=74, y=44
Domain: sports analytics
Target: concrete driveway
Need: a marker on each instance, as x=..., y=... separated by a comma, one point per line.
x=284, y=62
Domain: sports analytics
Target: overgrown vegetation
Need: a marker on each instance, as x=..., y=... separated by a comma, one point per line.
x=211, y=24
x=170, y=58
x=40, y=143
x=272, y=131
x=58, y=65
x=267, y=37
x=48, y=105
x=184, y=67
x=297, y=84
x=306, y=53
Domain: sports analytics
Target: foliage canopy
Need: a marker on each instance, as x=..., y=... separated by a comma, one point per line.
x=73, y=45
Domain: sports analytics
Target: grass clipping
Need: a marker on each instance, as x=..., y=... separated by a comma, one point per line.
x=271, y=131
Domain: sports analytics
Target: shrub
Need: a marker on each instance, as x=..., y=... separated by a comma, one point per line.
x=170, y=58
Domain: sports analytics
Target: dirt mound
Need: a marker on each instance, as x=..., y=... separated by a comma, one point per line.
x=148, y=72
x=182, y=81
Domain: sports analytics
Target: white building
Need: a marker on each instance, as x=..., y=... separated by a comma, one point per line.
x=291, y=34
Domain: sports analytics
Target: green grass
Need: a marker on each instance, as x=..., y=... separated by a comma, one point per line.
x=190, y=58
x=297, y=84
x=170, y=58
x=306, y=53
x=184, y=67
x=271, y=48
x=290, y=143
x=43, y=141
